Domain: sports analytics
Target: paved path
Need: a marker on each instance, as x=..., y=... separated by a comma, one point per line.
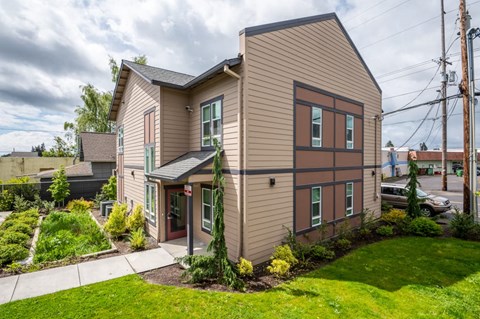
x=56, y=279
x=3, y=215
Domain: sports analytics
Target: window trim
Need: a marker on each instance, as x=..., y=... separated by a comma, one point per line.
x=320, y=124
x=319, y=207
x=120, y=137
x=350, y=144
x=150, y=215
x=209, y=103
x=212, y=207
x=349, y=210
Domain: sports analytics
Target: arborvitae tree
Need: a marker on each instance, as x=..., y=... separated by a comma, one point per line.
x=389, y=144
x=413, y=207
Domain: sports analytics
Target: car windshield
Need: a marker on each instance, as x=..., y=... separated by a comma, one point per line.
x=421, y=193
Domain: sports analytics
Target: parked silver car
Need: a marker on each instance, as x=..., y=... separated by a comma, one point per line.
x=396, y=195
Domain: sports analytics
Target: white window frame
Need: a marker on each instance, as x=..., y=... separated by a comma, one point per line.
x=120, y=139
x=350, y=144
x=348, y=210
x=319, y=202
x=211, y=106
x=212, y=207
x=317, y=140
x=150, y=202
x=149, y=158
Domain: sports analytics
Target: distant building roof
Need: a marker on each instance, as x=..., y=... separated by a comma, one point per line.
x=183, y=166
x=24, y=154
x=97, y=147
x=437, y=155
x=82, y=169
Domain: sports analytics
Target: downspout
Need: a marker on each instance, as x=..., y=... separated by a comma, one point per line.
x=240, y=195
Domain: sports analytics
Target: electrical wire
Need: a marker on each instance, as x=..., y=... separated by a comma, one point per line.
x=365, y=11
x=416, y=130
x=378, y=15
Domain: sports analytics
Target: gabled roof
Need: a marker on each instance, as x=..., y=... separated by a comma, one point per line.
x=183, y=166
x=162, y=77
x=82, y=169
x=97, y=147
x=270, y=27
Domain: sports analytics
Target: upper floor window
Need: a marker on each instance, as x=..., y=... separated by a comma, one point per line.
x=349, y=132
x=120, y=139
x=149, y=140
x=211, y=122
x=316, y=206
x=349, y=199
x=316, y=127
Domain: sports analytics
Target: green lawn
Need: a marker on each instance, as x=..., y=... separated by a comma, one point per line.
x=399, y=278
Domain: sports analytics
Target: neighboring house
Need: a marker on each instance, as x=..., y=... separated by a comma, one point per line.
x=394, y=161
x=23, y=154
x=297, y=115
x=11, y=167
x=433, y=160
x=97, y=154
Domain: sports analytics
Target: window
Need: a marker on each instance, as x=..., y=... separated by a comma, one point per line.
x=150, y=203
x=316, y=206
x=149, y=158
x=349, y=201
x=316, y=127
x=207, y=209
x=349, y=132
x=211, y=122
x=120, y=139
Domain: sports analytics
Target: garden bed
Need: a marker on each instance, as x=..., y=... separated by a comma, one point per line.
x=64, y=235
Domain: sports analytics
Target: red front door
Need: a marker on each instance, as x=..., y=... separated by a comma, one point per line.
x=176, y=208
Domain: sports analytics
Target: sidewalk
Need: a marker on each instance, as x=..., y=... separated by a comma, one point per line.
x=56, y=279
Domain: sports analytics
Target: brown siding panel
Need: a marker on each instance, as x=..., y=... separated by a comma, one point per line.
x=348, y=107
x=358, y=134
x=303, y=119
x=347, y=159
x=309, y=178
x=314, y=97
x=357, y=197
x=327, y=203
x=314, y=159
x=348, y=175
x=328, y=132
x=340, y=201
x=340, y=127
x=302, y=208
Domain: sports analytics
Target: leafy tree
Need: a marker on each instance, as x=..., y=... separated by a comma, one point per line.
x=60, y=188
x=115, y=69
x=39, y=149
x=423, y=146
x=413, y=207
x=60, y=149
x=389, y=144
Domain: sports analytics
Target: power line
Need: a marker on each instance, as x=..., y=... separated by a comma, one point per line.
x=408, y=93
x=378, y=15
x=366, y=10
x=29, y=130
x=421, y=104
x=405, y=75
x=416, y=130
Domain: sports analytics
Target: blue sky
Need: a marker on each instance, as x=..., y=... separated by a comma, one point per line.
x=50, y=48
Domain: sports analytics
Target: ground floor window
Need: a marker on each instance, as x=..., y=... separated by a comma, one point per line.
x=349, y=200
x=150, y=203
x=316, y=206
x=207, y=209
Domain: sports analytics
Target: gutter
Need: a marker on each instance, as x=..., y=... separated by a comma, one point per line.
x=241, y=177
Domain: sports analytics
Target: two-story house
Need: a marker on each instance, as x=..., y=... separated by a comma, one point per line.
x=297, y=113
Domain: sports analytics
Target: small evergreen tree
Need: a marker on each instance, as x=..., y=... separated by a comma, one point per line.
x=389, y=144
x=60, y=188
x=413, y=207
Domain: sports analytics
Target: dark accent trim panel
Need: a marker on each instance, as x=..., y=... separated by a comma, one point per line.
x=306, y=186
x=332, y=222
x=372, y=166
x=328, y=109
x=335, y=96
x=327, y=149
x=294, y=143
x=139, y=167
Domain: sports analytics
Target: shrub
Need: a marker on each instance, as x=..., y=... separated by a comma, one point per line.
x=279, y=268
x=284, y=253
x=116, y=223
x=12, y=237
x=386, y=207
x=322, y=253
x=12, y=252
x=17, y=227
x=423, y=226
x=462, y=225
x=20, y=204
x=110, y=188
x=136, y=220
x=386, y=231
x=60, y=188
x=23, y=187
x=79, y=205
x=344, y=231
x=394, y=216
x=245, y=267
x=343, y=244
x=33, y=212
x=6, y=200
x=137, y=239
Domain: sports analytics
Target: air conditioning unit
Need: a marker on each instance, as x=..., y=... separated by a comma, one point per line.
x=104, y=207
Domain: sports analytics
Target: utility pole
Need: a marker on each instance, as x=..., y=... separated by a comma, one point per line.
x=466, y=109
x=444, y=103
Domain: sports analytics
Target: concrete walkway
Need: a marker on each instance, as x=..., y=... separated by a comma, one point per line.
x=3, y=215
x=56, y=279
